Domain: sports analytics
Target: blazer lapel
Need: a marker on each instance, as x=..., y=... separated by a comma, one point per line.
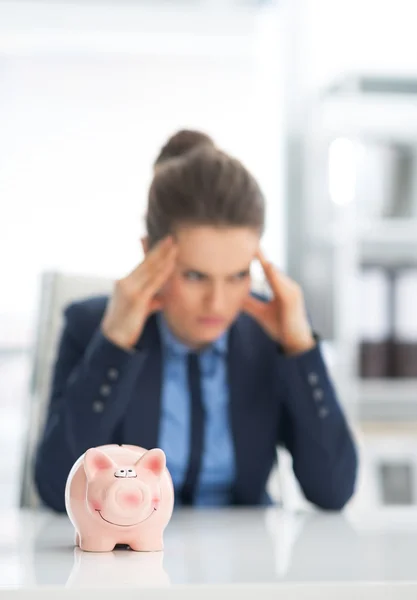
x=142, y=422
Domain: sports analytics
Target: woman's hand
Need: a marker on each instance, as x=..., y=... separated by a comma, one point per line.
x=284, y=317
x=135, y=297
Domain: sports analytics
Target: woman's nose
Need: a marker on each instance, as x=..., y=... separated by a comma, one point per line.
x=216, y=299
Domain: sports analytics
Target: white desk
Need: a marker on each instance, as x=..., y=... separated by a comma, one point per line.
x=250, y=553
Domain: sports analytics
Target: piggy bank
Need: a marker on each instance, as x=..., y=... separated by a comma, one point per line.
x=119, y=495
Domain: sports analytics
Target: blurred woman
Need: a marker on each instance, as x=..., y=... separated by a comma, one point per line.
x=183, y=356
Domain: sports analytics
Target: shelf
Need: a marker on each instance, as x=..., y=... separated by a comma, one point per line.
x=381, y=240
x=386, y=400
x=390, y=241
x=382, y=116
x=387, y=390
x=389, y=231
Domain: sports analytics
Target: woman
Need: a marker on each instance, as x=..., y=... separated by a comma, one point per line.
x=185, y=358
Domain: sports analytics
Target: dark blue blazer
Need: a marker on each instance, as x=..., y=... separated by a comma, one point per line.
x=102, y=394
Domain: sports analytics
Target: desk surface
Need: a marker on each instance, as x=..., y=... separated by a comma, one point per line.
x=223, y=547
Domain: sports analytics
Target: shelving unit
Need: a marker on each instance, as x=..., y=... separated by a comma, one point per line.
x=349, y=242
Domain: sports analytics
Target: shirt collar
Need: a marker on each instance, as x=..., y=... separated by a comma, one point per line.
x=175, y=346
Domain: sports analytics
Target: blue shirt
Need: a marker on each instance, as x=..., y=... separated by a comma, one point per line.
x=218, y=465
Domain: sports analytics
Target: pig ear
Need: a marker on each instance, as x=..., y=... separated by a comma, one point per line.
x=96, y=461
x=153, y=460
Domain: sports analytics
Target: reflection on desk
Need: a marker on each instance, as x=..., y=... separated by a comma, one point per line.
x=118, y=569
x=231, y=546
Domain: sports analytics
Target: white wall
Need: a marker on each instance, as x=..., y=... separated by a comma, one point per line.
x=365, y=36
x=88, y=94
x=83, y=114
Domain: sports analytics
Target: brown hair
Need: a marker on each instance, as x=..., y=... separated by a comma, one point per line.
x=204, y=187
x=182, y=142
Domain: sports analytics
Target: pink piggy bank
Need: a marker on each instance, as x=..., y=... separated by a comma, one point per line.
x=119, y=495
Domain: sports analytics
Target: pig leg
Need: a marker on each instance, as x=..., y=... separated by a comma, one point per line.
x=77, y=538
x=147, y=542
x=97, y=543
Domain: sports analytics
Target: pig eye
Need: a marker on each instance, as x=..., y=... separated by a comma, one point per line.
x=131, y=473
x=120, y=473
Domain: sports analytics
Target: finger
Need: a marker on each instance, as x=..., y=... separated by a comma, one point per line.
x=255, y=308
x=159, y=277
x=155, y=256
x=270, y=272
x=149, y=271
x=159, y=253
x=263, y=260
x=281, y=285
x=159, y=257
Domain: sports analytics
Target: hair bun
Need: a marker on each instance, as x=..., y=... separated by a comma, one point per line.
x=181, y=143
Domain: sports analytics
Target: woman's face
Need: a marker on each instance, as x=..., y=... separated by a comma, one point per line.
x=210, y=282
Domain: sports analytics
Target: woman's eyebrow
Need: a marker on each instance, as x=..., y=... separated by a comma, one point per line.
x=189, y=268
x=185, y=267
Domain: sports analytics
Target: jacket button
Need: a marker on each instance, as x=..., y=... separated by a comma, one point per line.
x=318, y=394
x=313, y=378
x=323, y=412
x=113, y=374
x=98, y=406
x=105, y=390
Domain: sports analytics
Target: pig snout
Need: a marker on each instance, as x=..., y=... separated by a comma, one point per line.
x=129, y=499
x=126, y=500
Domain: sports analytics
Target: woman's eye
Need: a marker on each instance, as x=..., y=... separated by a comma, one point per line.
x=193, y=276
x=240, y=276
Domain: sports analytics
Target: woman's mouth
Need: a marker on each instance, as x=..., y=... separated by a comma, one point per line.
x=211, y=321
